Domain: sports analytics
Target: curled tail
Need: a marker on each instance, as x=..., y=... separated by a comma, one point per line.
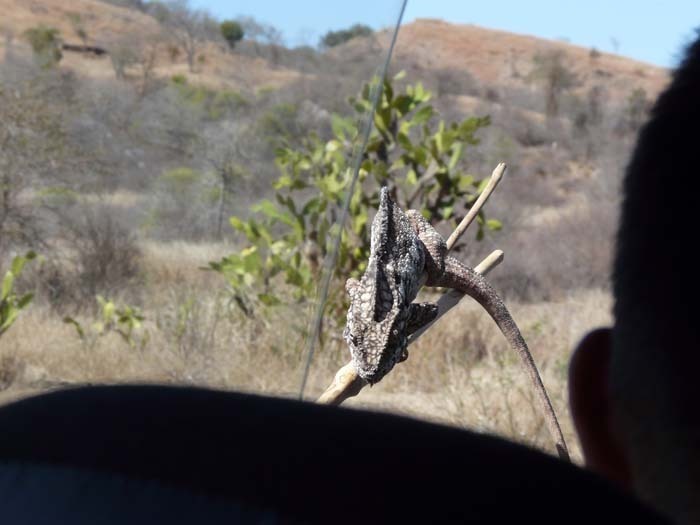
x=463, y=279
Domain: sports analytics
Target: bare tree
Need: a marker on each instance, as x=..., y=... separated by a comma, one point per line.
x=137, y=54
x=29, y=138
x=551, y=71
x=189, y=27
x=258, y=33
x=224, y=153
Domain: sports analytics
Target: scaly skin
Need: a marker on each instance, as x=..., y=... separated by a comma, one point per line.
x=404, y=247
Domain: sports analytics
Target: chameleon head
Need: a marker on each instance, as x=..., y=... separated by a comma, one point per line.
x=375, y=331
x=376, y=321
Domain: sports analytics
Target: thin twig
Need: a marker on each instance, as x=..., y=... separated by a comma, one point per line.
x=347, y=383
x=496, y=177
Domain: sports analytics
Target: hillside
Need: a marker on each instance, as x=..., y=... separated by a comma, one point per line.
x=505, y=59
x=107, y=24
x=493, y=58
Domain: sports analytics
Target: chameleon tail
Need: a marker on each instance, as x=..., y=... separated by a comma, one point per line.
x=463, y=279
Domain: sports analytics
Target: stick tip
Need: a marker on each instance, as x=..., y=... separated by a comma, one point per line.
x=500, y=170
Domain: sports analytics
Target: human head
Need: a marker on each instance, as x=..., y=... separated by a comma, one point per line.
x=634, y=387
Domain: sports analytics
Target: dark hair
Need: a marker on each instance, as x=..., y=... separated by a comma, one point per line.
x=656, y=281
x=656, y=346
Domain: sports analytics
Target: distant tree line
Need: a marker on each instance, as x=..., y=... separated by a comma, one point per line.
x=335, y=38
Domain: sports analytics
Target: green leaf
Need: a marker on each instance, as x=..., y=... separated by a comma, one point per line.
x=236, y=224
x=9, y=320
x=25, y=300
x=403, y=104
x=388, y=92
x=411, y=177
x=7, y=282
x=494, y=224
x=404, y=141
x=482, y=185
x=251, y=259
x=465, y=181
x=457, y=151
x=423, y=115
x=108, y=311
x=341, y=127
x=382, y=119
x=76, y=325
x=17, y=265
x=269, y=299
x=268, y=208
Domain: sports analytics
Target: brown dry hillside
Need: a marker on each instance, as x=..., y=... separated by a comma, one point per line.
x=105, y=22
x=502, y=58
x=494, y=58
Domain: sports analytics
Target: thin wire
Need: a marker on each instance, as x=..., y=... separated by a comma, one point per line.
x=333, y=256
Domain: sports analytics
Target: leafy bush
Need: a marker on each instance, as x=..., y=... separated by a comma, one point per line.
x=335, y=38
x=232, y=32
x=421, y=159
x=46, y=44
x=12, y=304
x=122, y=320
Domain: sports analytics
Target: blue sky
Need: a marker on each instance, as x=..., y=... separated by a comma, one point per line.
x=651, y=31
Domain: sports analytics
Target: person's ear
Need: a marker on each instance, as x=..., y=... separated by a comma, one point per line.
x=591, y=409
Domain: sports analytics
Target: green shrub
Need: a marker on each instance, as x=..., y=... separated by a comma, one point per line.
x=419, y=156
x=125, y=320
x=232, y=32
x=12, y=304
x=46, y=44
x=335, y=38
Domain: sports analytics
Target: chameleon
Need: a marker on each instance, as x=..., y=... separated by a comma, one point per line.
x=405, y=249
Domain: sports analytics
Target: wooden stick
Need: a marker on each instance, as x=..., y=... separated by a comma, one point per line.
x=451, y=298
x=496, y=177
x=347, y=383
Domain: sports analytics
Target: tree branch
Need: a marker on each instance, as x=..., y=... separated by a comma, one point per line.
x=496, y=177
x=347, y=383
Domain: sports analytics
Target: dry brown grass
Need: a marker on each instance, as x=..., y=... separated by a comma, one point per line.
x=103, y=21
x=504, y=59
x=461, y=373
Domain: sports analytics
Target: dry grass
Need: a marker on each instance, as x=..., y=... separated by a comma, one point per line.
x=504, y=59
x=461, y=373
x=104, y=21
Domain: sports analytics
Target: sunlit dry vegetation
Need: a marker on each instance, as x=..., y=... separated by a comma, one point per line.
x=121, y=171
